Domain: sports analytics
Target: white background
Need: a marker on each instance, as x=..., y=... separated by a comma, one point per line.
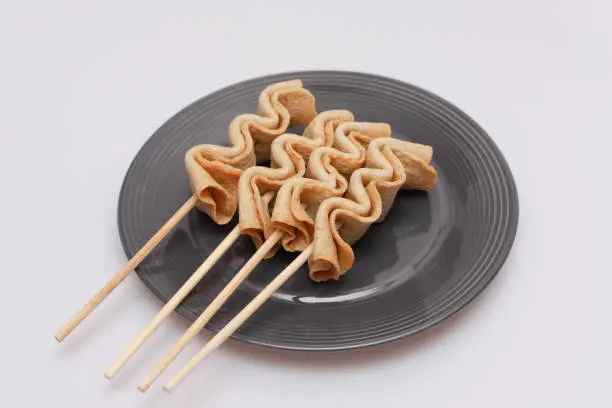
x=84, y=84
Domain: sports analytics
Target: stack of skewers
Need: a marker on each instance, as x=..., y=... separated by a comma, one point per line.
x=321, y=193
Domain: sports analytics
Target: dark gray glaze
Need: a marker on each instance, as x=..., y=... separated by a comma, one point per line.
x=435, y=252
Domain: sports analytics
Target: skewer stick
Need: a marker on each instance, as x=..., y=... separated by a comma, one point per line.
x=212, y=308
x=241, y=317
x=174, y=301
x=127, y=268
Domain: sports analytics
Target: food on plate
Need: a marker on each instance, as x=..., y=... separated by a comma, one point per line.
x=340, y=222
x=214, y=170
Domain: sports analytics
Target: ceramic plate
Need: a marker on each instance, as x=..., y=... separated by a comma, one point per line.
x=434, y=253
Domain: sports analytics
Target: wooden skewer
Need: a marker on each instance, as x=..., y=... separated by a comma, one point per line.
x=212, y=308
x=124, y=272
x=241, y=317
x=174, y=301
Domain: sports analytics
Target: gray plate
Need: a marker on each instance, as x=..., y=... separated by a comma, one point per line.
x=433, y=254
